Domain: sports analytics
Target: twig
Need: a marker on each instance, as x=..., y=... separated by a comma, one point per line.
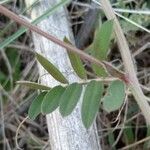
x=123, y=124
x=17, y=132
x=133, y=22
x=141, y=49
x=140, y=12
x=127, y=61
x=8, y=67
x=112, y=70
x=136, y=143
x=125, y=18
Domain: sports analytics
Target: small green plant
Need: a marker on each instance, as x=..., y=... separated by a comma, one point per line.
x=66, y=96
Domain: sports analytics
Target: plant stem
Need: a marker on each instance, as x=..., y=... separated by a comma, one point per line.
x=112, y=70
x=127, y=61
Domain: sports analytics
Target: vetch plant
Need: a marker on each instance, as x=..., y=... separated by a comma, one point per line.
x=129, y=78
x=66, y=96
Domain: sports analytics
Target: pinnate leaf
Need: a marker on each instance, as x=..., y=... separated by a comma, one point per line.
x=91, y=102
x=33, y=85
x=69, y=99
x=35, y=107
x=51, y=69
x=115, y=96
x=51, y=99
x=76, y=62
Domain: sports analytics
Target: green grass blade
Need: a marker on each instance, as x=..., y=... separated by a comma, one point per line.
x=9, y=25
x=36, y=21
x=5, y=1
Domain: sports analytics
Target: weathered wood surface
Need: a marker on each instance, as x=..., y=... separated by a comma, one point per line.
x=64, y=133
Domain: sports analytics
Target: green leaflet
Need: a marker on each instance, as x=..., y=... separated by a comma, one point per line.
x=36, y=21
x=33, y=85
x=115, y=96
x=35, y=107
x=51, y=69
x=51, y=99
x=111, y=140
x=4, y=1
x=89, y=49
x=69, y=99
x=76, y=62
x=102, y=39
x=128, y=134
x=147, y=143
x=101, y=45
x=91, y=101
x=99, y=71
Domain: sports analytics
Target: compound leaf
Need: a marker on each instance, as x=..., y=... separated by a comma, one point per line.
x=91, y=101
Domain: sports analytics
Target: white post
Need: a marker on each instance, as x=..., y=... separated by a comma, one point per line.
x=64, y=133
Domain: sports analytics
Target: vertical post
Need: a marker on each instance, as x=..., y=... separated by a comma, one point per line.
x=64, y=133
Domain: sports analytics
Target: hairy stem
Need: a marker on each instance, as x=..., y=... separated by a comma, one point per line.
x=128, y=62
